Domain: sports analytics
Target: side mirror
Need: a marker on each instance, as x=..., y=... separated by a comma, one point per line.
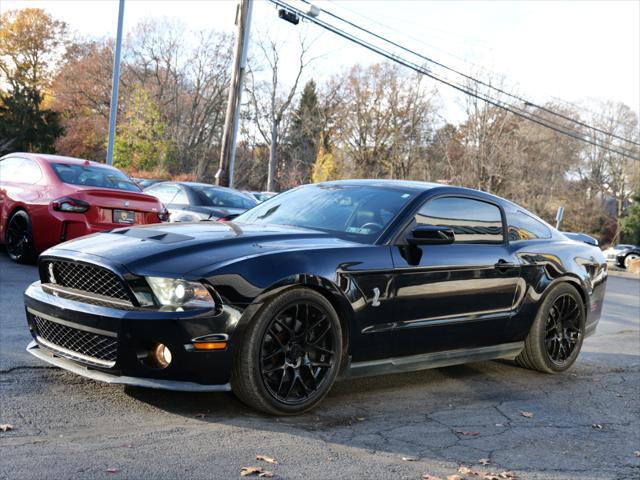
x=431, y=235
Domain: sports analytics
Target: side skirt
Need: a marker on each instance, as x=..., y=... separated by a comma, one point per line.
x=433, y=360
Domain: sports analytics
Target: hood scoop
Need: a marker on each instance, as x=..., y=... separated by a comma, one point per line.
x=150, y=234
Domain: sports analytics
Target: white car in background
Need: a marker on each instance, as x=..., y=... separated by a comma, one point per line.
x=612, y=252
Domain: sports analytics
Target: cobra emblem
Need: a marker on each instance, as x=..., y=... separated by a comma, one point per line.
x=376, y=297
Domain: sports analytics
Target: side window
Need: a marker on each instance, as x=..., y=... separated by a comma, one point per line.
x=181, y=197
x=472, y=221
x=9, y=168
x=525, y=227
x=166, y=193
x=20, y=170
x=31, y=171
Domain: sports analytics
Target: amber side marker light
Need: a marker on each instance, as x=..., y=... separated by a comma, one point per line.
x=210, y=345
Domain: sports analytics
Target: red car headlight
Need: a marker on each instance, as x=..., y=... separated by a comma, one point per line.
x=69, y=204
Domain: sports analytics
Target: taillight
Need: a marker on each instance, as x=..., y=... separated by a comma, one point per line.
x=163, y=215
x=224, y=219
x=69, y=204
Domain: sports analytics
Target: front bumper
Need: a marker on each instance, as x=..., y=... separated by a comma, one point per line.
x=135, y=330
x=46, y=355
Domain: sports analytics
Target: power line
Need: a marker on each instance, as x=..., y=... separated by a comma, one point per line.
x=422, y=42
x=526, y=103
x=492, y=101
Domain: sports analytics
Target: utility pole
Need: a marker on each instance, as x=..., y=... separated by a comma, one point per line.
x=224, y=176
x=115, y=83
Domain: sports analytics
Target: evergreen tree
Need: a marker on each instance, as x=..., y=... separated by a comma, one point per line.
x=304, y=135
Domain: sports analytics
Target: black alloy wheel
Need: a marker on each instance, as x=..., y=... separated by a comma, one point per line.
x=297, y=352
x=556, y=336
x=19, y=238
x=289, y=354
x=562, y=330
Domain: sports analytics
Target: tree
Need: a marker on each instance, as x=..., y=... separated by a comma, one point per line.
x=140, y=142
x=305, y=131
x=270, y=101
x=325, y=167
x=31, y=46
x=631, y=223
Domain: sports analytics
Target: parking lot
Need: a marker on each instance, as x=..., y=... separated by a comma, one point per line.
x=584, y=424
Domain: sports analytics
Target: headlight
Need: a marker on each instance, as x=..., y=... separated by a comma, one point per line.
x=178, y=293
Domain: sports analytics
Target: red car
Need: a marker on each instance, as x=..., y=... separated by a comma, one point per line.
x=47, y=199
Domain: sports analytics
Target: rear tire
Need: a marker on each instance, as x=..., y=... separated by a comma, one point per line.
x=290, y=354
x=556, y=336
x=19, y=238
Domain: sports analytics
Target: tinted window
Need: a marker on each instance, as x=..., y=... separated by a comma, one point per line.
x=20, y=170
x=94, y=176
x=358, y=213
x=472, y=221
x=218, y=197
x=525, y=227
x=168, y=194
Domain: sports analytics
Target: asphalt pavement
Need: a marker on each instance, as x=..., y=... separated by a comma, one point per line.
x=584, y=424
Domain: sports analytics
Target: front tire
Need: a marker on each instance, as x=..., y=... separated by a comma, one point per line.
x=19, y=238
x=555, y=339
x=290, y=354
x=629, y=258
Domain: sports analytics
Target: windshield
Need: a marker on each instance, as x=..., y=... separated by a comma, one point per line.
x=93, y=176
x=218, y=197
x=358, y=213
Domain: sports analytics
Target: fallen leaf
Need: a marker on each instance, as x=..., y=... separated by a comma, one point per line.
x=484, y=461
x=597, y=426
x=454, y=477
x=5, y=427
x=499, y=425
x=527, y=414
x=266, y=474
x=246, y=471
x=426, y=476
x=360, y=419
x=409, y=459
x=464, y=470
x=264, y=458
x=470, y=434
x=113, y=470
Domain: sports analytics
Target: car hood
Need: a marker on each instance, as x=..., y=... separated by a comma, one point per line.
x=180, y=248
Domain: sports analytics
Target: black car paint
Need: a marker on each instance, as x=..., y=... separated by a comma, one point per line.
x=491, y=293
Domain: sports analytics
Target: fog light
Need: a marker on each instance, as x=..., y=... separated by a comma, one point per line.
x=162, y=355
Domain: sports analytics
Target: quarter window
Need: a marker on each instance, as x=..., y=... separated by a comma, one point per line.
x=20, y=170
x=525, y=227
x=472, y=221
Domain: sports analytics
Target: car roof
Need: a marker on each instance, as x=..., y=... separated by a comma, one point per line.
x=45, y=157
x=385, y=183
x=200, y=185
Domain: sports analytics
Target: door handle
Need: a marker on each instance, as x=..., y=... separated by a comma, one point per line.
x=502, y=264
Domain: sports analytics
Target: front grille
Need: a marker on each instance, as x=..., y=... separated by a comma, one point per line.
x=81, y=345
x=81, y=276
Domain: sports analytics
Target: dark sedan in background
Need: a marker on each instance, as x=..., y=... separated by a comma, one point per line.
x=192, y=202
x=346, y=278
x=626, y=256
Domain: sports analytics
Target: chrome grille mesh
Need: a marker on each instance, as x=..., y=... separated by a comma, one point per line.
x=102, y=348
x=81, y=276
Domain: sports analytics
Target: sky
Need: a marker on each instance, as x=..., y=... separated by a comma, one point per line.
x=570, y=50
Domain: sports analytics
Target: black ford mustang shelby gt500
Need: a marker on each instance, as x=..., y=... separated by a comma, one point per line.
x=344, y=278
